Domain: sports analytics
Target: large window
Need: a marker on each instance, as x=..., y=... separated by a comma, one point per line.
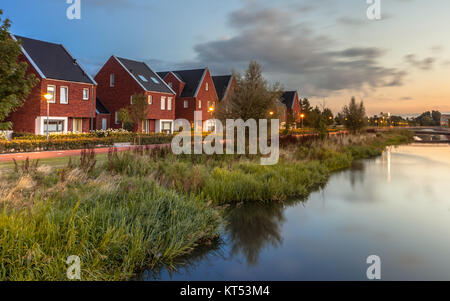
x=77, y=125
x=64, y=95
x=85, y=94
x=54, y=126
x=169, y=103
x=163, y=103
x=52, y=91
x=166, y=127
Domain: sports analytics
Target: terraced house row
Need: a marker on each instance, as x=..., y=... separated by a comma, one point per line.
x=80, y=103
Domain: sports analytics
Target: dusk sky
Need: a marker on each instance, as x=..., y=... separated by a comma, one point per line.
x=326, y=49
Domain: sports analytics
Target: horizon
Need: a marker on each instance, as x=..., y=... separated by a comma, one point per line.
x=327, y=51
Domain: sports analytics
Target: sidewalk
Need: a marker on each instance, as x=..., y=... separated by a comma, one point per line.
x=69, y=153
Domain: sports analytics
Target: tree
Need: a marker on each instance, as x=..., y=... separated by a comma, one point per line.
x=354, y=116
x=436, y=115
x=252, y=97
x=15, y=85
x=136, y=113
x=328, y=114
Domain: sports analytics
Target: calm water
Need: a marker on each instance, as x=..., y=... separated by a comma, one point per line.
x=396, y=206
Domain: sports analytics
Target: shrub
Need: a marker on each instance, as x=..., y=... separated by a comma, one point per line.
x=14, y=146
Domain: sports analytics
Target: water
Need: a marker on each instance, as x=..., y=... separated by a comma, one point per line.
x=396, y=206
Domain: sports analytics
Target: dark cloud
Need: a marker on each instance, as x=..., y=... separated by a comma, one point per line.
x=294, y=54
x=424, y=64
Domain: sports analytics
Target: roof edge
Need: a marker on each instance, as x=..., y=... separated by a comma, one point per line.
x=201, y=81
x=81, y=67
x=159, y=77
x=35, y=66
x=131, y=74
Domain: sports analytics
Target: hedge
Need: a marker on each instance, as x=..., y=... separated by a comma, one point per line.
x=15, y=146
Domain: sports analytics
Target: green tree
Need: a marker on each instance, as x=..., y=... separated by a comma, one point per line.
x=354, y=116
x=15, y=85
x=136, y=113
x=252, y=98
x=328, y=115
x=436, y=115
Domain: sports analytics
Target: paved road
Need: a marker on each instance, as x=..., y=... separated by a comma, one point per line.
x=66, y=153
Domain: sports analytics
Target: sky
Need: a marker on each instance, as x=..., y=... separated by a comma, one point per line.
x=328, y=50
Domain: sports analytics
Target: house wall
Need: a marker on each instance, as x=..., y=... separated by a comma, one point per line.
x=99, y=118
x=177, y=85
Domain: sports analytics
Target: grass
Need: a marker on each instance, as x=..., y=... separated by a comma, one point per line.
x=125, y=212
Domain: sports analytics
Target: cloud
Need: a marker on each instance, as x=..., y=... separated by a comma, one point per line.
x=293, y=53
x=424, y=64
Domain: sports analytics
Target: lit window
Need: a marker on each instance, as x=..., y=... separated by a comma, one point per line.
x=199, y=104
x=77, y=125
x=143, y=78
x=169, y=103
x=163, y=103
x=85, y=94
x=207, y=87
x=111, y=80
x=63, y=95
x=149, y=99
x=155, y=80
x=52, y=91
x=186, y=104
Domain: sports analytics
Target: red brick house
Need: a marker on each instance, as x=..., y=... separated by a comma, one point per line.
x=195, y=91
x=224, y=86
x=119, y=79
x=292, y=102
x=103, y=116
x=73, y=91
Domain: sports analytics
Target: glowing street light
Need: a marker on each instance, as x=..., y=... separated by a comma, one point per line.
x=271, y=113
x=211, y=109
x=48, y=97
x=303, y=117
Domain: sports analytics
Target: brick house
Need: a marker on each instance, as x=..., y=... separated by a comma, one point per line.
x=119, y=79
x=73, y=91
x=224, y=84
x=103, y=116
x=292, y=102
x=195, y=91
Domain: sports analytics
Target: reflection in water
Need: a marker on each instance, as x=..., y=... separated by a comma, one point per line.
x=358, y=173
x=253, y=227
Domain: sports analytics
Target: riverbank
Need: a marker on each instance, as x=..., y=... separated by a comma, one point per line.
x=143, y=209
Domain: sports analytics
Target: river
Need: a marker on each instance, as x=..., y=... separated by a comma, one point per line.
x=396, y=206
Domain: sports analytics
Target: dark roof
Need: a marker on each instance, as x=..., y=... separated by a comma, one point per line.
x=100, y=108
x=54, y=61
x=144, y=74
x=221, y=83
x=191, y=78
x=288, y=99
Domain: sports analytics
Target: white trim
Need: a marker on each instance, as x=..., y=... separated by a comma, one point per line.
x=131, y=74
x=159, y=77
x=40, y=123
x=87, y=94
x=67, y=95
x=158, y=125
x=201, y=82
x=176, y=76
x=41, y=74
x=81, y=67
x=54, y=93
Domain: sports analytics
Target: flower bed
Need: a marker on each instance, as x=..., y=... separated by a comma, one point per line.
x=15, y=146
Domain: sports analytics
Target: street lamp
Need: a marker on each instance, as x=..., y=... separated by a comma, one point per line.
x=303, y=117
x=271, y=113
x=48, y=97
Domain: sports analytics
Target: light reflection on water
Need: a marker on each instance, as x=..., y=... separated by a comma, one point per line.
x=395, y=206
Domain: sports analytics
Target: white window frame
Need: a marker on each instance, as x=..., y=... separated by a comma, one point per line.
x=86, y=96
x=112, y=80
x=150, y=99
x=169, y=103
x=186, y=104
x=53, y=100
x=67, y=95
x=163, y=103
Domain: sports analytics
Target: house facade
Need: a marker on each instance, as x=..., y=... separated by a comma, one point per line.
x=71, y=107
x=119, y=79
x=224, y=85
x=195, y=91
x=291, y=101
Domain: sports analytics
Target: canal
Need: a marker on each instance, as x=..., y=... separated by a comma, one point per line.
x=396, y=206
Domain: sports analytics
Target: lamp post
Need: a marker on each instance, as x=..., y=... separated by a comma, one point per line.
x=48, y=97
x=303, y=117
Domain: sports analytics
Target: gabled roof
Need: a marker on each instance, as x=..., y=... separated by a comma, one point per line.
x=53, y=61
x=288, y=99
x=222, y=83
x=145, y=76
x=191, y=78
x=100, y=108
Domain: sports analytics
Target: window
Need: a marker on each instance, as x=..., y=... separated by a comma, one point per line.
x=54, y=126
x=186, y=104
x=199, y=104
x=155, y=80
x=143, y=78
x=169, y=103
x=149, y=99
x=77, y=125
x=145, y=126
x=131, y=99
x=163, y=103
x=116, y=121
x=104, y=123
x=63, y=95
x=52, y=91
x=111, y=80
x=85, y=94
x=166, y=127
x=170, y=85
x=207, y=87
